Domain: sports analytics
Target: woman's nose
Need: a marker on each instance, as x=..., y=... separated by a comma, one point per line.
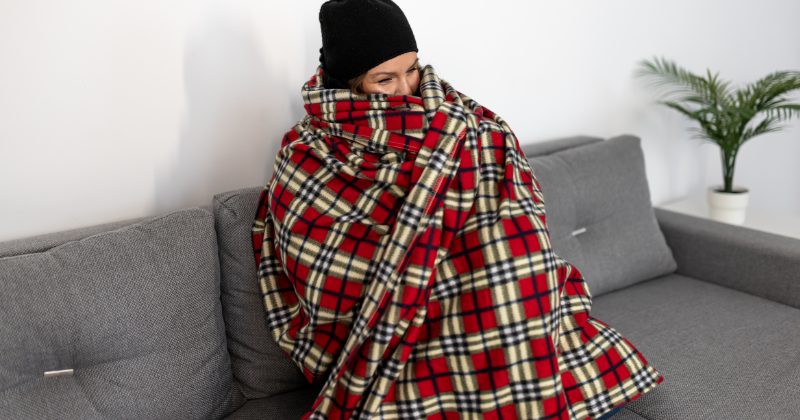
x=404, y=88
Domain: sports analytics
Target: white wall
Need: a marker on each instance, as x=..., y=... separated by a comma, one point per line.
x=111, y=110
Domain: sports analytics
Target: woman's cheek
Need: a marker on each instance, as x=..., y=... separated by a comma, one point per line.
x=375, y=88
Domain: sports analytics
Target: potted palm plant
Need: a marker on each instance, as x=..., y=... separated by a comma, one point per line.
x=728, y=117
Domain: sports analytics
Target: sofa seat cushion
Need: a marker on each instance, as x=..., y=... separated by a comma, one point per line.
x=724, y=354
x=292, y=405
x=134, y=312
x=626, y=414
x=295, y=404
x=599, y=214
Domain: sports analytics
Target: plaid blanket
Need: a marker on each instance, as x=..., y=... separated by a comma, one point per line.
x=405, y=262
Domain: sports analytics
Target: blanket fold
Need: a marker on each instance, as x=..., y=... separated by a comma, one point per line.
x=404, y=257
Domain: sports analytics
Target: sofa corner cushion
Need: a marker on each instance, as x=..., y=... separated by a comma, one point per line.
x=260, y=367
x=134, y=312
x=599, y=214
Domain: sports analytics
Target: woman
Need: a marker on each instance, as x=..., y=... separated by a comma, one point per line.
x=404, y=256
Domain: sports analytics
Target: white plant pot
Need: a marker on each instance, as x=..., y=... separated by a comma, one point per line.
x=727, y=207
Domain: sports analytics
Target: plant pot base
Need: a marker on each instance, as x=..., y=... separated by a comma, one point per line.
x=727, y=207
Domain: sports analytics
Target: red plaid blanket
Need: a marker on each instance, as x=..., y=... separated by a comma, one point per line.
x=405, y=261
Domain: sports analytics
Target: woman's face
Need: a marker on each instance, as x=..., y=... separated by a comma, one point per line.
x=398, y=76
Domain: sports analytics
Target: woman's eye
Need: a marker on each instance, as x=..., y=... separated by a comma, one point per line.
x=384, y=81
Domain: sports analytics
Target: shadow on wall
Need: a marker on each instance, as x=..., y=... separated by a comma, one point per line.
x=237, y=110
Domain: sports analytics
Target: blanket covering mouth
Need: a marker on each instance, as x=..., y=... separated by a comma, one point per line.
x=405, y=262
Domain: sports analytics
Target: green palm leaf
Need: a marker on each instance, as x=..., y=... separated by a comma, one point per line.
x=727, y=116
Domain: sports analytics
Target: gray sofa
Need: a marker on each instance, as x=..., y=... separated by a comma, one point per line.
x=161, y=317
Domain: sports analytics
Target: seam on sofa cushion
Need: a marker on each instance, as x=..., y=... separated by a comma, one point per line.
x=142, y=222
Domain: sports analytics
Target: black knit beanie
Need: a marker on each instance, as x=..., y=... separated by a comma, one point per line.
x=358, y=35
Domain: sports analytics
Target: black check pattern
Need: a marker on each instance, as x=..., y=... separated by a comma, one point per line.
x=599, y=403
x=486, y=219
x=384, y=271
x=410, y=409
x=410, y=214
x=372, y=269
x=323, y=259
x=355, y=215
x=565, y=307
x=282, y=238
x=576, y=357
x=454, y=345
x=447, y=288
x=334, y=163
x=302, y=347
x=502, y=272
x=611, y=335
x=310, y=190
x=391, y=368
x=490, y=172
x=457, y=112
x=643, y=380
x=278, y=317
x=549, y=258
x=512, y=157
x=527, y=205
x=383, y=332
x=472, y=138
x=268, y=267
x=438, y=159
x=514, y=333
x=467, y=401
x=526, y=391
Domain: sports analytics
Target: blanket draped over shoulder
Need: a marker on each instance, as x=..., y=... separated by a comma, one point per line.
x=405, y=262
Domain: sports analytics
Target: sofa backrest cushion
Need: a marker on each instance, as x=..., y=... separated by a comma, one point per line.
x=549, y=147
x=261, y=368
x=599, y=214
x=41, y=243
x=134, y=312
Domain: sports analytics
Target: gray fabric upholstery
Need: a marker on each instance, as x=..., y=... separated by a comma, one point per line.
x=258, y=364
x=752, y=261
x=602, y=187
x=724, y=354
x=287, y=406
x=626, y=414
x=135, y=312
x=552, y=146
x=41, y=243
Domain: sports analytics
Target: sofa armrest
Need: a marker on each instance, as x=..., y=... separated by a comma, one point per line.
x=752, y=261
